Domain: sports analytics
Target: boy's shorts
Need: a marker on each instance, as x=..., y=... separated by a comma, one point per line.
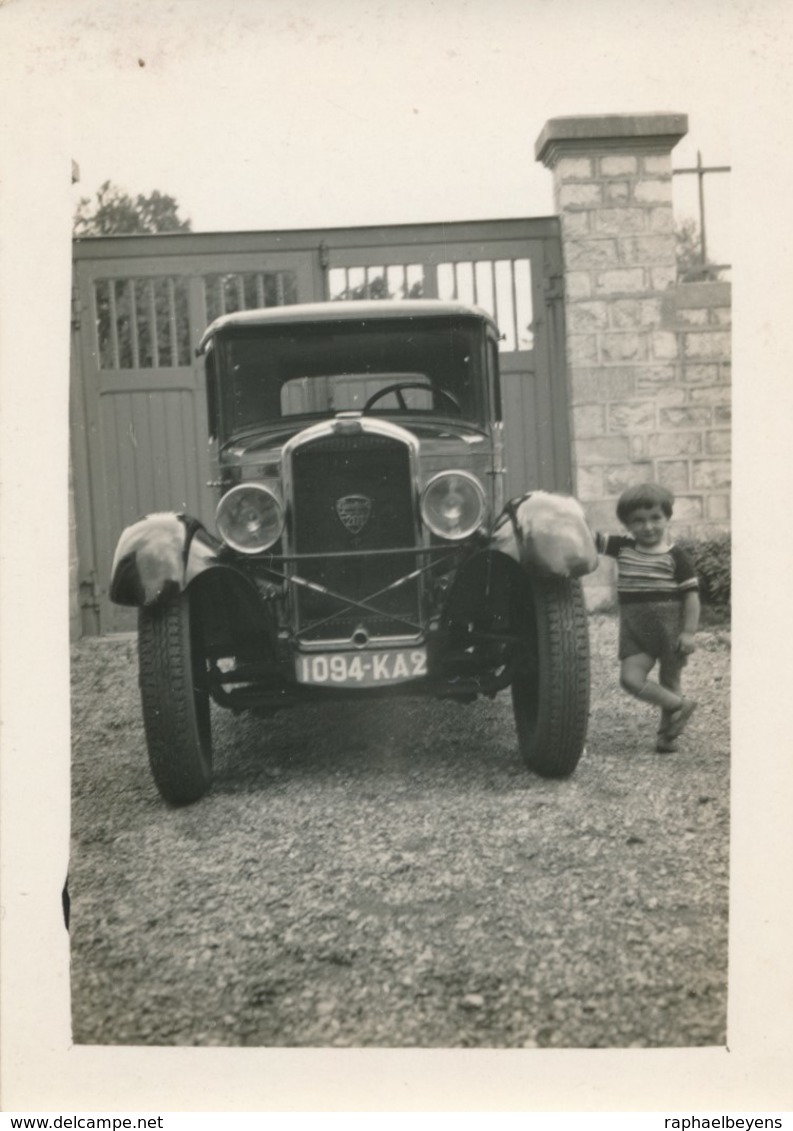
x=652, y=627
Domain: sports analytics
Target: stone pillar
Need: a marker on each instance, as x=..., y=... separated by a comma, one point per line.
x=613, y=193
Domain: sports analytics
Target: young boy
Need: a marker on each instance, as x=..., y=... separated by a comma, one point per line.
x=658, y=598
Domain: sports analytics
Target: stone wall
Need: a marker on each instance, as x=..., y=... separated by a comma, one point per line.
x=648, y=358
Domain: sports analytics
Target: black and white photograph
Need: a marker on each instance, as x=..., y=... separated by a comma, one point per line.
x=376, y=618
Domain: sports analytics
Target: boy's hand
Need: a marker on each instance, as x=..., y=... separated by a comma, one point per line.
x=686, y=643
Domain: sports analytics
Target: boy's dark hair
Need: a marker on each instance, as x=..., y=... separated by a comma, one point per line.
x=644, y=495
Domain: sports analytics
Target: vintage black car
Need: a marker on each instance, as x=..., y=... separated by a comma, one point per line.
x=363, y=545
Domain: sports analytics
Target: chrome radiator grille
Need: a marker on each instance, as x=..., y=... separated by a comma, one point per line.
x=353, y=495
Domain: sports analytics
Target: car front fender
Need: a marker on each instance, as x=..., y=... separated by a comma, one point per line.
x=158, y=555
x=546, y=534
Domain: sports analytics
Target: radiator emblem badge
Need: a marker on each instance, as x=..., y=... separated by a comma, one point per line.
x=354, y=511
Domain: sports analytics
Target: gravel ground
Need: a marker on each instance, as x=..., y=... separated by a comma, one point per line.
x=389, y=875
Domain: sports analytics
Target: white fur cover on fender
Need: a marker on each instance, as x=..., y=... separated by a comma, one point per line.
x=548, y=533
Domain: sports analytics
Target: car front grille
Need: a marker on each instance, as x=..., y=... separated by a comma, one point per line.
x=354, y=493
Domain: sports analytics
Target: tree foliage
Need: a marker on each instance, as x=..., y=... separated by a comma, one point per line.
x=712, y=558
x=691, y=268
x=378, y=288
x=114, y=212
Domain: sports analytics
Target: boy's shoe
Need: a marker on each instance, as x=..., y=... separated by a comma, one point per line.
x=663, y=723
x=680, y=717
x=666, y=745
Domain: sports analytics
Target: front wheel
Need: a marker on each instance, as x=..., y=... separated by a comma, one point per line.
x=175, y=700
x=550, y=689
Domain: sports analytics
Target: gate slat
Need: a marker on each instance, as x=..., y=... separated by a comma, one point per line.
x=113, y=324
x=494, y=285
x=514, y=303
x=133, y=324
x=153, y=327
x=172, y=322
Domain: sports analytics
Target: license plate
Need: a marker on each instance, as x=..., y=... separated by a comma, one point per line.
x=362, y=669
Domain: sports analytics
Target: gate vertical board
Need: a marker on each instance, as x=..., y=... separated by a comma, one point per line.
x=138, y=412
x=83, y=495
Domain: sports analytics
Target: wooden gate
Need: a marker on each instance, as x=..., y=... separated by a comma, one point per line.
x=138, y=411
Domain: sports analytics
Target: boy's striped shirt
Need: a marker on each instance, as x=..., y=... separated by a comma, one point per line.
x=644, y=575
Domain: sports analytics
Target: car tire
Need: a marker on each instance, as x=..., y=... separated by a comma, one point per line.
x=175, y=699
x=550, y=689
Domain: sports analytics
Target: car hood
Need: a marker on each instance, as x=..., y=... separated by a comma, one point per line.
x=435, y=438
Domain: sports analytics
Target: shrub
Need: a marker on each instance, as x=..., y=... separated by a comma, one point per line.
x=712, y=561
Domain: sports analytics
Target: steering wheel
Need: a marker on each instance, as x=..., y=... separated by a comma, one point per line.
x=441, y=394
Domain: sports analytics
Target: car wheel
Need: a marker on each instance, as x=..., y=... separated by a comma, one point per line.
x=172, y=674
x=550, y=688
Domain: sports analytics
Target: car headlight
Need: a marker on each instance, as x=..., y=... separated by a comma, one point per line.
x=453, y=505
x=250, y=518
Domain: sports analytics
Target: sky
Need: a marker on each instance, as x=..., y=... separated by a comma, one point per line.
x=262, y=114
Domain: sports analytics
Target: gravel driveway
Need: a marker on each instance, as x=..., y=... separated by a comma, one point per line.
x=388, y=874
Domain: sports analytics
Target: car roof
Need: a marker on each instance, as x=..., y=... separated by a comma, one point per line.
x=345, y=311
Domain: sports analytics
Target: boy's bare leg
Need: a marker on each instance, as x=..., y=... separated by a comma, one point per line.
x=668, y=677
x=670, y=674
x=634, y=671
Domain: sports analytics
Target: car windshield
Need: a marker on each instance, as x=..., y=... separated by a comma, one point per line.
x=423, y=368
